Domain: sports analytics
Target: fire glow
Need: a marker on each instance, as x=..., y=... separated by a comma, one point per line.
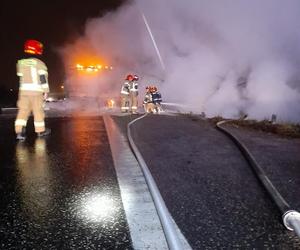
x=92, y=67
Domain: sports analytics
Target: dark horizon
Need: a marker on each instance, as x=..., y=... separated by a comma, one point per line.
x=54, y=23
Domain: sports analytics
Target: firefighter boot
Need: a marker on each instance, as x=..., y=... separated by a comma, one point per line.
x=44, y=133
x=22, y=135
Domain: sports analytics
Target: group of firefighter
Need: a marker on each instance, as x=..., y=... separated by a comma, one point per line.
x=34, y=89
x=129, y=97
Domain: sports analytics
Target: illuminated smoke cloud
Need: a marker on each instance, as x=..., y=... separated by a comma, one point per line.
x=221, y=57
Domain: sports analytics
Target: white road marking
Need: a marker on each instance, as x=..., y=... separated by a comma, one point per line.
x=144, y=224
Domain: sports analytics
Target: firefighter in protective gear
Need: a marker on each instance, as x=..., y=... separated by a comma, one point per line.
x=125, y=93
x=33, y=90
x=156, y=99
x=148, y=103
x=133, y=94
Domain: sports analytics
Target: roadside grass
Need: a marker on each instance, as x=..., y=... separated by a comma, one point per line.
x=283, y=129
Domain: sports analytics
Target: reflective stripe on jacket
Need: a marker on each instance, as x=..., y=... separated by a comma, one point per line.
x=133, y=86
x=125, y=88
x=148, y=98
x=156, y=97
x=30, y=71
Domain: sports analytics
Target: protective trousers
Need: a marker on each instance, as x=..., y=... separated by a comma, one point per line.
x=133, y=101
x=150, y=107
x=26, y=104
x=125, y=102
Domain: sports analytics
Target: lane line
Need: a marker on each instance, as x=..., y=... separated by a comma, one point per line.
x=144, y=224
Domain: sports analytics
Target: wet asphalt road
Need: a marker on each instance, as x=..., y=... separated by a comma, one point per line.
x=60, y=192
x=208, y=187
x=50, y=187
x=280, y=160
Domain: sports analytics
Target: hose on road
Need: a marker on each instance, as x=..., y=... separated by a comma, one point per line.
x=290, y=217
x=169, y=229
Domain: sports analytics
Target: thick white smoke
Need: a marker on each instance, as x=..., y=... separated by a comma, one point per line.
x=221, y=57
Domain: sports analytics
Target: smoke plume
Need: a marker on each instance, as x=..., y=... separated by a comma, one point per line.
x=222, y=57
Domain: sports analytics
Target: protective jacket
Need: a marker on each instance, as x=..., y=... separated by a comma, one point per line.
x=156, y=97
x=33, y=75
x=133, y=87
x=125, y=88
x=148, y=98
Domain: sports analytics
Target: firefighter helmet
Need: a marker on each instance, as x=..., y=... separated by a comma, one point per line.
x=129, y=77
x=33, y=47
x=153, y=88
x=135, y=77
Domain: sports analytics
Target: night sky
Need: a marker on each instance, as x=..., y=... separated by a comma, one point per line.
x=52, y=22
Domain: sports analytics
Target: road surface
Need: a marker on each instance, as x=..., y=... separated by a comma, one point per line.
x=65, y=191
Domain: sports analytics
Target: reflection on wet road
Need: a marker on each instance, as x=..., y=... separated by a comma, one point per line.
x=60, y=192
x=34, y=179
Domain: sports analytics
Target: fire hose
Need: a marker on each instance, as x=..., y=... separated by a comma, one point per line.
x=290, y=217
x=163, y=213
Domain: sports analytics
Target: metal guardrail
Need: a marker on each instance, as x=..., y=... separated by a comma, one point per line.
x=291, y=218
x=163, y=213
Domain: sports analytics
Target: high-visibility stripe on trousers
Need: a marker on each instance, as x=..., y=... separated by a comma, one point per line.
x=39, y=124
x=26, y=105
x=125, y=108
x=20, y=122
